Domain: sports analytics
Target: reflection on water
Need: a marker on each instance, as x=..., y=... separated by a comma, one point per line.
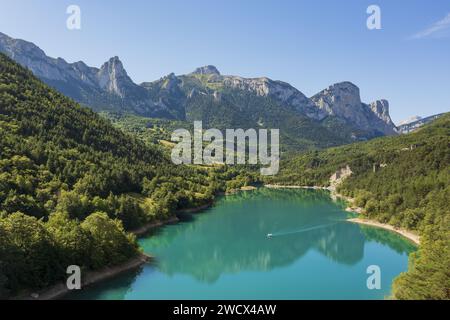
x=230, y=240
x=234, y=239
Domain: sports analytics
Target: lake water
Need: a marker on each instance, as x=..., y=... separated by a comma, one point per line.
x=224, y=253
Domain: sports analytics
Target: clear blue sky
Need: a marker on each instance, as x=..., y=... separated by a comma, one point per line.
x=310, y=44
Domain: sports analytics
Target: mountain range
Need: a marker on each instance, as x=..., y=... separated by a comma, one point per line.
x=414, y=123
x=334, y=116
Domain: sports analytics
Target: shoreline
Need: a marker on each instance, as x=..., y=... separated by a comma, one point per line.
x=152, y=225
x=171, y=220
x=405, y=233
x=411, y=236
x=60, y=289
x=279, y=186
x=234, y=191
x=196, y=209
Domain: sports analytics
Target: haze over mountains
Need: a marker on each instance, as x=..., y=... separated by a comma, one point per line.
x=334, y=116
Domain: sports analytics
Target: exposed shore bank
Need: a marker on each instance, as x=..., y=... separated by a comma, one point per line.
x=405, y=233
x=369, y=222
x=60, y=289
x=152, y=225
x=233, y=191
x=171, y=220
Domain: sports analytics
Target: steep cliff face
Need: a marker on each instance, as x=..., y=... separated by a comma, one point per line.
x=380, y=109
x=343, y=101
x=282, y=92
x=113, y=78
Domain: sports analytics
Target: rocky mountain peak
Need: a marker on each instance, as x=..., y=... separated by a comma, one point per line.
x=113, y=77
x=170, y=82
x=113, y=65
x=207, y=70
x=345, y=91
x=343, y=101
x=381, y=109
x=340, y=99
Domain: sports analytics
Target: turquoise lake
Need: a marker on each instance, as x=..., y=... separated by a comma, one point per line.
x=224, y=253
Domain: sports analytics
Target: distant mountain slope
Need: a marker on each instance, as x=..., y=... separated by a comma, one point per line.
x=332, y=117
x=416, y=122
x=105, y=88
x=340, y=101
x=409, y=120
x=230, y=101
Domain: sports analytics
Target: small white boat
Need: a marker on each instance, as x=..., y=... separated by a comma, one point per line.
x=269, y=235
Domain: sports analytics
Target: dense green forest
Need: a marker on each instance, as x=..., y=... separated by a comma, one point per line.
x=403, y=181
x=150, y=130
x=72, y=185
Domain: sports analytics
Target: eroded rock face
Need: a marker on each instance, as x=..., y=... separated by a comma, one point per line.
x=381, y=110
x=341, y=99
x=282, y=92
x=339, y=176
x=113, y=78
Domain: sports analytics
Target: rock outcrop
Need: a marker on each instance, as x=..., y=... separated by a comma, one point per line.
x=207, y=70
x=339, y=176
x=342, y=100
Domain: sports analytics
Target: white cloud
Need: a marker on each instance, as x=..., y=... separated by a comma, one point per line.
x=436, y=30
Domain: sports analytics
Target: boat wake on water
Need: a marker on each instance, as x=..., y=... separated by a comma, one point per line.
x=304, y=229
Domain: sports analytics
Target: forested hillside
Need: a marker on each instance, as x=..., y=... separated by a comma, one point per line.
x=403, y=181
x=71, y=185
